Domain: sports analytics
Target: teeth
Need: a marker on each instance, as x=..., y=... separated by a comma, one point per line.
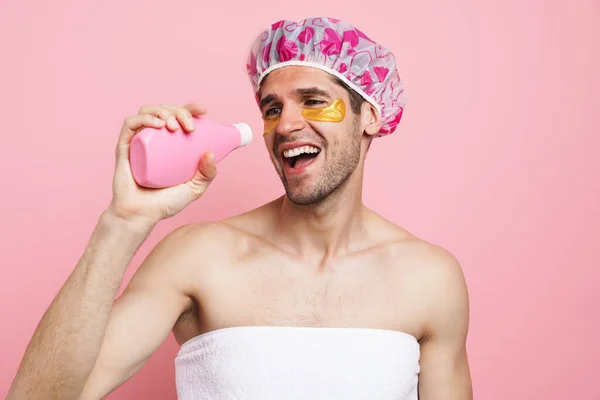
x=300, y=150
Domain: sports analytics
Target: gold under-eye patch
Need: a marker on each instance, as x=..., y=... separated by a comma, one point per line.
x=335, y=112
x=270, y=124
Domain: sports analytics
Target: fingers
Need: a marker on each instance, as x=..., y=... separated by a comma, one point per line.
x=195, y=109
x=158, y=116
x=206, y=172
x=131, y=126
x=176, y=116
x=184, y=117
x=135, y=123
x=207, y=168
x=162, y=113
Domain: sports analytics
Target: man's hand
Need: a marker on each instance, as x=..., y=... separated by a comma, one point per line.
x=135, y=203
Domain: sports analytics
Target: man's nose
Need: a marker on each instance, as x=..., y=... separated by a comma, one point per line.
x=290, y=120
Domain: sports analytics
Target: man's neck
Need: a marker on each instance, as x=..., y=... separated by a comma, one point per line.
x=320, y=232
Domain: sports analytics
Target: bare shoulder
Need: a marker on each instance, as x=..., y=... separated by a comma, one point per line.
x=179, y=255
x=435, y=266
x=194, y=242
x=440, y=280
x=192, y=248
x=417, y=256
x=213, y=241
x=186, y=240
x=435, y=279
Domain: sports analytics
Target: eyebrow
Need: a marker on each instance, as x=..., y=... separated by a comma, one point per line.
x=266, y=100
x=309, y=91
x=312, y=91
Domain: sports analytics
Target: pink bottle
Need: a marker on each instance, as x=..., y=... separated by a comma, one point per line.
x=161, y=158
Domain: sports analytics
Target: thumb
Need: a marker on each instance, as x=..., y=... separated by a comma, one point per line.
x=207, y=170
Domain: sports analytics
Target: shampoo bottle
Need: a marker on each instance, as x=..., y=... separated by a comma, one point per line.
x=162, y=158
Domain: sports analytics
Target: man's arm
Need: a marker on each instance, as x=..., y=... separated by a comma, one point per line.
x=444, y=365
x=67, y=341
x=144, y=315
x=72, y=334
x=107, y=355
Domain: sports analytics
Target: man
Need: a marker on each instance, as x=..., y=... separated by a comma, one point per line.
x=312, y=295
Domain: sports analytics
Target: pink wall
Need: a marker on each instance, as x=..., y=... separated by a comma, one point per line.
x=496, y=158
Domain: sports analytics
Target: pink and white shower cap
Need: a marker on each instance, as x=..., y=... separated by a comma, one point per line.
x=338, y=48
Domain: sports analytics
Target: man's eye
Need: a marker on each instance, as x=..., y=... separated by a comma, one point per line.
x=314, y=102
x=272, y=111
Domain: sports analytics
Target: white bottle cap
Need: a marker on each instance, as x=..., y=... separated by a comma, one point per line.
x=245, y=133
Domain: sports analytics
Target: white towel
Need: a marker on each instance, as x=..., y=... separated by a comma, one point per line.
x=277, y=362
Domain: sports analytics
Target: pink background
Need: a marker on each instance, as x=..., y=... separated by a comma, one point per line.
x=495, y=159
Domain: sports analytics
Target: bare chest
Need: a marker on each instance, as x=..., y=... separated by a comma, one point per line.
x=354, y=294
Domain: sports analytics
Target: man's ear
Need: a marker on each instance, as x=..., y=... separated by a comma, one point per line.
x=370, y=119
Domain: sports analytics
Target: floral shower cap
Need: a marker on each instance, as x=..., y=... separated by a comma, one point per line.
x=338, y=48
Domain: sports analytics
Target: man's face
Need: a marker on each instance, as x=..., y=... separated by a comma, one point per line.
x=334, y=147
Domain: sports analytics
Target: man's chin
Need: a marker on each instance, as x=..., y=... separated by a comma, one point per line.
x=303, y=201
x=303, y=198
x=306, y=195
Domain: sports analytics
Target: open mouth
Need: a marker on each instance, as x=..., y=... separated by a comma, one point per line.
x=300, y=156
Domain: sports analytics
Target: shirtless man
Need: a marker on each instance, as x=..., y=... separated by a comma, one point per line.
x=296, y=299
